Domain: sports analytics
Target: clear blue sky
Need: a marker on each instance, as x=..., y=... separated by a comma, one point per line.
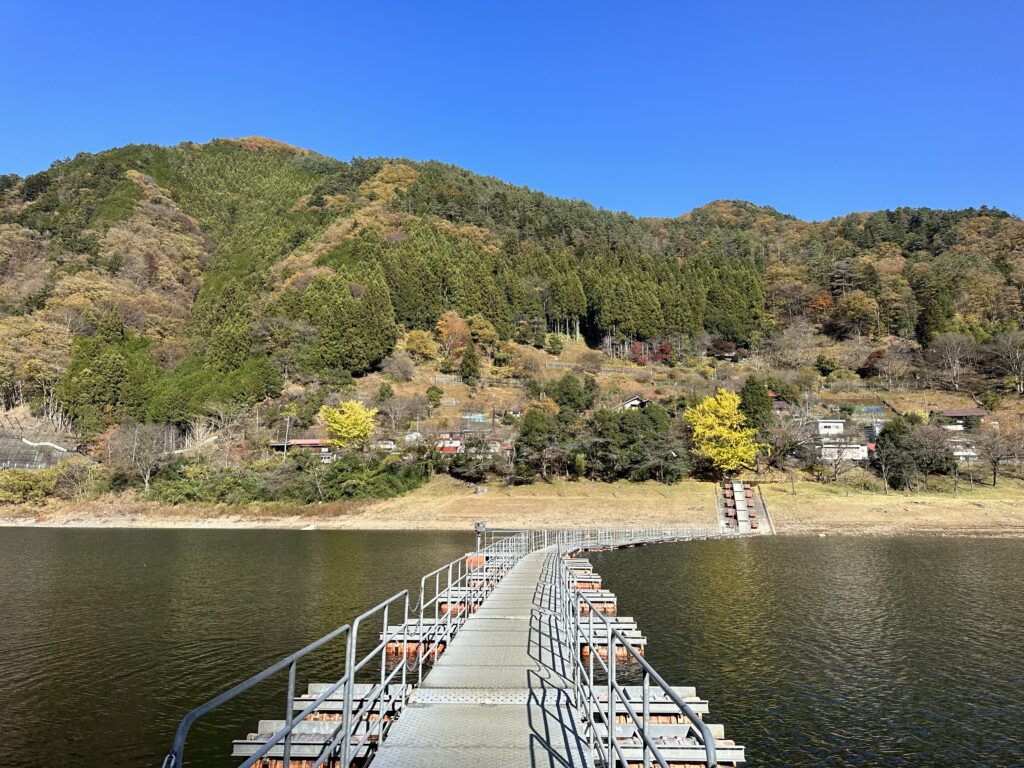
x=816, y=108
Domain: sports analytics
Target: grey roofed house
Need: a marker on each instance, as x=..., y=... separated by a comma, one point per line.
x=959, y=414
x=22, y=453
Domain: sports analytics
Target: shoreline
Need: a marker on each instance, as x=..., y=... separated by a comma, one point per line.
x=312, y=524
x=448, y=505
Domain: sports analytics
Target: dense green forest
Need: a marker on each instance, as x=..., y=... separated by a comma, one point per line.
x=146, y=282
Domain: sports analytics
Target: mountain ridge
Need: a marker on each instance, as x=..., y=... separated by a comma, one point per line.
x=175, y=263
x=264, y=143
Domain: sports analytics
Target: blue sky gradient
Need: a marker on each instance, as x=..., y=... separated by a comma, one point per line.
x=817, y=109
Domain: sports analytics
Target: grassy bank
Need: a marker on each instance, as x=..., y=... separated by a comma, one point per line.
x=446, y=504
x=816, y=508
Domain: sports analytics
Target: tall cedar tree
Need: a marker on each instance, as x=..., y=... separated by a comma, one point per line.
x=756, y=404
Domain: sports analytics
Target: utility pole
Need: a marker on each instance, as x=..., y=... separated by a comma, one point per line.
x=287, y=427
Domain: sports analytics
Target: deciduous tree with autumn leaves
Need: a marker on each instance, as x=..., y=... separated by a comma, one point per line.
x=720, y=434
x=351, y=423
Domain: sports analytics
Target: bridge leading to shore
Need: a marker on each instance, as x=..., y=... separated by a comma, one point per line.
x=512, y=655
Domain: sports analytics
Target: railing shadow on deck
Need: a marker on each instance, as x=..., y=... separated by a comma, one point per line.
x=556, y=738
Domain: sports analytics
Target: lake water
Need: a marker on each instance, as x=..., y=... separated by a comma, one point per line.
x=838, y=651
x=841, y=651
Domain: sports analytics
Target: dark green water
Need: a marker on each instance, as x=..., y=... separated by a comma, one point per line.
x=816, y=652
x=108, y=637
x=841, y=651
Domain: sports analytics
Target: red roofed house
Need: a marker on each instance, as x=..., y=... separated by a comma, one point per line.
x=449, y=447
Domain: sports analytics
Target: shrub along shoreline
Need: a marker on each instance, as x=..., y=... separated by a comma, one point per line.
x=443, y=503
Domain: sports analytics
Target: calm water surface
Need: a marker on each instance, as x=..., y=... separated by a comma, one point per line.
x=816, y=652
x=108, y=637
x=841, y=651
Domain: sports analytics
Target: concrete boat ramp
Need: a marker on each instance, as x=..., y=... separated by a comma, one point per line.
x=510, y=656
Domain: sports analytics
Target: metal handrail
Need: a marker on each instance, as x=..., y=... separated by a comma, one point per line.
x=572, y=601
x=467, y=580
x=458, y=567
x=478, y=577
x=175, y=758
x=353, y=666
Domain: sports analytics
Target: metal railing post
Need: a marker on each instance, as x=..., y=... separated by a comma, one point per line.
x=420, y=645
x=647, y=717
x=289, y=715
x=346, y=715
x=405, y=653
x=574, y=610
x=611, y=698
x=383, y=679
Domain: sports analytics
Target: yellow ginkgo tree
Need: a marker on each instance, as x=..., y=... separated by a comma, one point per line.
x=720, y=433
x=349, y=424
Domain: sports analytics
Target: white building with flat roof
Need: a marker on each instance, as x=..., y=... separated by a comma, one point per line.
x=831, y=427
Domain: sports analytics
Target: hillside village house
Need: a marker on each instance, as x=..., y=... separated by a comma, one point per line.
x=317, y=445
x=634, y=403
x=961, y=422
x=960, y=419
x=498, y=446
x=831, y=427
x=963, y=449
x=838, y=441
x=449, y=446
x=843, y=449
x=836, y=444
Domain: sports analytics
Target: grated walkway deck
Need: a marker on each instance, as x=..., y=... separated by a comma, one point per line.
x=497, y=696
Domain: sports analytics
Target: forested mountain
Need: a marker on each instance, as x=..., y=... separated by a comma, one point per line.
x=146, y=282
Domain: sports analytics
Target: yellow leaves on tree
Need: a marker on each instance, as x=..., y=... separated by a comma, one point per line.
x=453, y=333
x=350, y=423
x=420, y=345
x=33, y=353
x=720, y=433
x=484, y=334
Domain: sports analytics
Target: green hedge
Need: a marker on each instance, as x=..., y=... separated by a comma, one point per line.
x=26, y=486
x=300, y=478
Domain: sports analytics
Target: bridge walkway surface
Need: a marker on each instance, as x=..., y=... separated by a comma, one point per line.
x=501, y=694
x=531, y=666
